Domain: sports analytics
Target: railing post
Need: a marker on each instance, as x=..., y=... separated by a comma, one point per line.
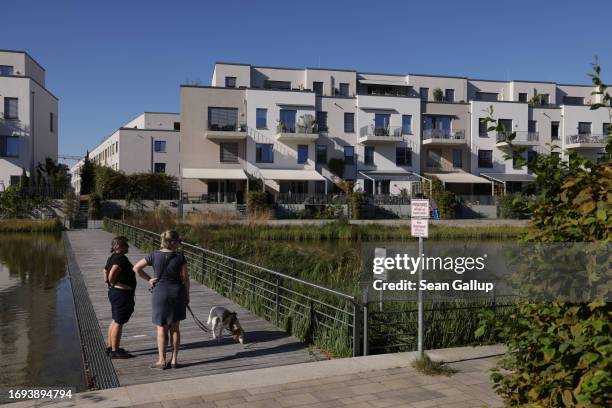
x=311, y=323
x=277, y=296
x=365, y=321
x=356, y=331
x=203, y=273
x=233, y=280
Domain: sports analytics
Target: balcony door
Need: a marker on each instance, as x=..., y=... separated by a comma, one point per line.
x=506, y=124
x=287, y=120
x=381, y=123
x=584, y=128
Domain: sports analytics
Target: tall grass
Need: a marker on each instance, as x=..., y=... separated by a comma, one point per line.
x=24, y=225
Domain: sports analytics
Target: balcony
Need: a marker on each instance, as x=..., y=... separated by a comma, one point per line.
x=225, y=132
x=586, y=141
x=443, y=137
x=373, y=134
x=299, y=133
x=522, y=138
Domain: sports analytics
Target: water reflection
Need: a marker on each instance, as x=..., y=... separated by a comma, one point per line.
x=39, y=341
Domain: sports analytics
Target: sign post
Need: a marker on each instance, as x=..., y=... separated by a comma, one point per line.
x=419, y=227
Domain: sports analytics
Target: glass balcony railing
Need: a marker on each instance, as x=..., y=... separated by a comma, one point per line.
x=521, y=137
x=445, y=134
x=389, y=131
x=591, y=138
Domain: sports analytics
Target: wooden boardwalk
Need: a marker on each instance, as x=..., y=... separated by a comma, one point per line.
x=266, y=345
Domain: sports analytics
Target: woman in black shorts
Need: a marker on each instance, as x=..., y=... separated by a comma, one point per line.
x=170, y=294
x=121, y=281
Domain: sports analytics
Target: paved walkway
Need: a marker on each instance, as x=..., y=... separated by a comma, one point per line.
x=373, y=381
x=267, y=345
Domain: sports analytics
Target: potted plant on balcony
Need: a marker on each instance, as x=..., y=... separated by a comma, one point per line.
x=280, y=127
x=438, y=95
x=242, y=127
x=306, y=124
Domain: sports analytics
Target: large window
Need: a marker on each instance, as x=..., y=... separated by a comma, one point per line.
x=349, y=122
x=287, y=121
x=344, y=89
x=532, y=156
x=160, y=146
x=449, y=95
x=321, y=118
x=554, y=130
x=11, y=106
x=9, y=146
x=487, y=96
x=573, y=100
x=317, y=87
x=485, y=159
x=368, y=156
x=159, y=168
x=532, y=126
x=321, y=154
x=522, y=97
x=264, y=153
x=230, y=82
x=283, y=85
x=584, y=128
x=424, y=93
x=302, y=154
x=434, y=158
x=406, y=124
x=349, y=155
x=261, y=118
x=606, y=129
x=457, y=158
x=51, y=122
x=6, y=70
x=381, y=124
x=225, y=119
x=482, y=128
x=515, y=159
x=228, y=152
x=403, y=156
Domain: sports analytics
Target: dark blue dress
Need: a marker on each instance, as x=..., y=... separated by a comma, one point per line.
x=169, y=300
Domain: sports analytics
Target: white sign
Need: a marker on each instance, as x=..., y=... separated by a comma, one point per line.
x=381, y=253
x=419, y=228
x=419, y=208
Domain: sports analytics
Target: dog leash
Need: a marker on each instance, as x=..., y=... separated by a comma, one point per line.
x=198, y=322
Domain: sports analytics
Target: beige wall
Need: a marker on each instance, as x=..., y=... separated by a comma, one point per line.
x=499, y=87
x=532, y=89
x=242, y=72
x=23, y=65
x=297, y=77
x=331, y=80
x=459, y=85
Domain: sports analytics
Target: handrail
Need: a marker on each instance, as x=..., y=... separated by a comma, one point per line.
x=598, y=138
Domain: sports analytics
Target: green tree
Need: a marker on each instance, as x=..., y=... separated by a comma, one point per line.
x=88, y=176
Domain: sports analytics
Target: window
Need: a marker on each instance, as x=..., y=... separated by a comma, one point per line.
x=406, y=124
x=606, y=129
x=349, y=155
x=319, y=187
x=424, y=93
x=15, y=180
x=6, y=70
x=228, y=152
x=344, y=89
x=282, y=85
x=403, y=156
x=434, y=158
x=381, y=124
x=9, y=146
x=287, y=121
x=515, y=158
x=51, y=124
x=457, y=158
x=321, y=157
x=368, y=156
x=486, y=96
x=230, y=82
x=224, y=119
x=584, y=128
x=485, y=159
x=321, y=118
x=317, y=87
x=532, y=156
x=573, y=100
x=160, y=146
x=522, y=97
x=177, y=125
x=11, y=108
x=159, y=168
x=261, y=118
x=349, y=122
x=554, y=130
x=264, y=153
x=482, y=128
x=302, y=154
x=532, y=126
x=544, y=99
x=449, y=95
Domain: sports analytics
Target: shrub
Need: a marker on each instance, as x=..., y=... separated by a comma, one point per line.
x=95, y=207
x=336, y=166
x=356, y=202
x=257, y=202
x=444, y=200
x=438, y=94
x=110, y=183
x=513, y=206
x=88, y=176
x=70, y=205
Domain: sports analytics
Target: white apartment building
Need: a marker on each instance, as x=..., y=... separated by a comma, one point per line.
x=148, y=143
x=28, y=117
x=281, y=126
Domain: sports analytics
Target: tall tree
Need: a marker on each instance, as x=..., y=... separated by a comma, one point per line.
x=88, y=176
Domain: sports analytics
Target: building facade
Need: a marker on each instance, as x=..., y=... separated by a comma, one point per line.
x=148, y=143
x=28, y=117
x=279, y=127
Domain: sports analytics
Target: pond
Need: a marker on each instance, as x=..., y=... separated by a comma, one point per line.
x=39, y=338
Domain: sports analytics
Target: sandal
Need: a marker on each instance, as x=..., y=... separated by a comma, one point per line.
x=158, y=366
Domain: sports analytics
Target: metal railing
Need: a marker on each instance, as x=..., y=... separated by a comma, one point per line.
x=389, y=199
x=298, y=128
x=521, y=136
x=314, y=313
x=220, y=198
x=371, y=130
x=311, y=199
x=475, y=199
x=599, y=138
x=226, y=127
x=445, y=134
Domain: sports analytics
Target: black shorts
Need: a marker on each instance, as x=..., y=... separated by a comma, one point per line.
x=122, y=304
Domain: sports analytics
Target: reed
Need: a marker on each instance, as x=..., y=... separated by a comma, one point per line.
x=23, y=225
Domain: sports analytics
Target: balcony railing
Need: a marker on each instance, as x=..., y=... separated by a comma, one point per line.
x=445, y=134
x=475, y=199
x=310, y=199
x=390, y=131
x=390, y=199
x=521, y=137
x=212, y=198
x=218, y=127
x=285, y=128
x=591, y=138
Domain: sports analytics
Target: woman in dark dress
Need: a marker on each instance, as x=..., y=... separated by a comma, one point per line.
x=170, y=294
x=121, y=281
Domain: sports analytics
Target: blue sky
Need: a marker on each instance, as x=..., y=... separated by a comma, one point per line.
x=109, y=60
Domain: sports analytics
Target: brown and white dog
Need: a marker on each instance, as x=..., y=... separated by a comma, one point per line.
x=219, y=319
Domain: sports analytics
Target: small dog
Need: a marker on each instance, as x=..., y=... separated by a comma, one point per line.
x=220, y=318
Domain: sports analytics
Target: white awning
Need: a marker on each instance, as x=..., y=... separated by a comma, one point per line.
x=395, y=175
x=505, y=177
x=382, y=82
x=464, y=178
x=290, y=174
x=215, y=174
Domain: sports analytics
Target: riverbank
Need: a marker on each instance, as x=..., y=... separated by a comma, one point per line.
x=24, y=225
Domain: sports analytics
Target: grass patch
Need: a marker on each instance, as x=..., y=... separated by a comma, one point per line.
x=427, y=366
x=18, y=225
